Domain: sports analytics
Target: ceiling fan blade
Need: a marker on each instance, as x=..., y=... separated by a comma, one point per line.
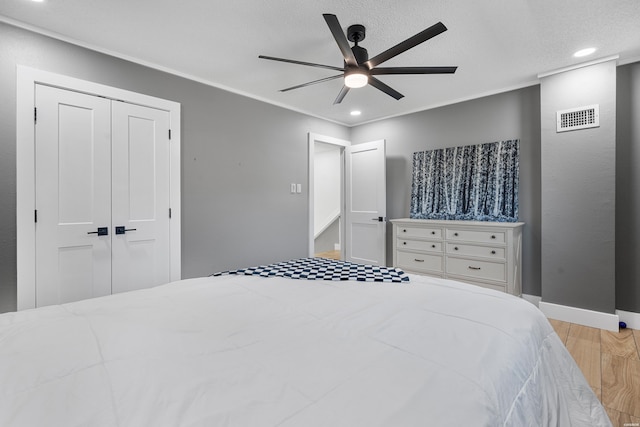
x=422, y=36
x=413, y=70
x=341, y=95
x=383, y=87
x=310, y=64
x=341, y=39
x=326, y=79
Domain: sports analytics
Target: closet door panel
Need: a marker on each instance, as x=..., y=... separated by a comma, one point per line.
x=140, y=180
x=73, y=196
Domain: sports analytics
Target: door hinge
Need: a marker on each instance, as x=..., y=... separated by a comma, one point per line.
x=169, y=213
x=35, y=215
x=35, y=115
x=169, y=134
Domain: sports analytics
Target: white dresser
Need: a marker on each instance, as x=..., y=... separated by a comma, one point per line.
x=483, y=253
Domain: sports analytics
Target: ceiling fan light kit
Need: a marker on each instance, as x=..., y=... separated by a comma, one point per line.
x=355, y=79
x=358, y=69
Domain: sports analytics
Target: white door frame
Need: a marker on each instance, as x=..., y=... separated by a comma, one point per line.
x=312, y=138
x=27, y=78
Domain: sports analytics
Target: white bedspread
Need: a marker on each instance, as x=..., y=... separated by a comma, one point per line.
x=262, y=352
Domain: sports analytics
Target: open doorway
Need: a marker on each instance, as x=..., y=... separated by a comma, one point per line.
x=361, y=220
x=326, y=198
x=327, y=201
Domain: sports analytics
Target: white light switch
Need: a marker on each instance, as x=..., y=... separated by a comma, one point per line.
x=298, y=188
x=293, y=188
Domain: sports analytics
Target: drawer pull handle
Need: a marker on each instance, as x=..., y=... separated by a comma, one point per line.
x=474, y=268
x=433, y=232
x=455, y=248
x=404, y=243
x=404, y=230
x=418, y=260
x=493, y=252
x=433, y=246
x=493, y=237
x=455, y=234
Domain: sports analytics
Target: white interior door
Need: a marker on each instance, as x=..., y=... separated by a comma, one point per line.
x=102, y=196
x=64, y=173
x=365, y=199
x=140, y=209
x=73, y=196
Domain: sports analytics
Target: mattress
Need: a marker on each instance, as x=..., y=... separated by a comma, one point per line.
x=244, y=350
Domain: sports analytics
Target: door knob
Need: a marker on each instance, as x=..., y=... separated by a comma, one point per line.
x=101, y=231
x=121, y=230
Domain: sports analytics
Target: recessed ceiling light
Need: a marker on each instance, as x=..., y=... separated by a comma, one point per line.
x=356, y=113
x=38, y=1
x=584, y=52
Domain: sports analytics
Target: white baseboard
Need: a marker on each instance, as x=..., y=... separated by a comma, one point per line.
x=594, y=319
x=533, y=299
x=630, y=318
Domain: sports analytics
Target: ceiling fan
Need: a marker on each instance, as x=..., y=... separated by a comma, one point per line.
x=359, y=70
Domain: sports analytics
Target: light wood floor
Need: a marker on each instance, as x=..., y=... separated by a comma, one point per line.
x=610, y=362
x=329, y=254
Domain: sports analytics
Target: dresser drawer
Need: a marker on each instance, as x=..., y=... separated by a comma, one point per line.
x=479, y=251
x=484, y=253
x=486, y=270
x=420, y=262
x=421, y=232
x=420, y=245
x=476, y=236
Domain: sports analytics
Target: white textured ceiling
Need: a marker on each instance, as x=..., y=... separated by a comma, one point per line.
x=497, y=44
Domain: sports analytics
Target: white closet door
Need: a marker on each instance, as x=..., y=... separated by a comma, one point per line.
x=73, y=196
x=140, y=179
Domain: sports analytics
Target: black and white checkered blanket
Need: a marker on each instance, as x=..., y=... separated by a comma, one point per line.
x=323, y=269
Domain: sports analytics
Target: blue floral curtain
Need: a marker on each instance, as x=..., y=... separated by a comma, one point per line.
x=474, y=182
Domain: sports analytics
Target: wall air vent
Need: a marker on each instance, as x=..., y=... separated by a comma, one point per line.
x=578, y=118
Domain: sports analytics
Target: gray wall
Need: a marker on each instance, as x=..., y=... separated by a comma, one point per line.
x=509, y=115
x=239, y=157
x=628, y=188
x=578, y=191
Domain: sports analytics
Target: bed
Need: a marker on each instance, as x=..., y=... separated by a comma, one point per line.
x=256, y=348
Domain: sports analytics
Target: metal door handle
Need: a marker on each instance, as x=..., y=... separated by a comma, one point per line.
x=102, y=231
x=121, y=230
x=380, y=219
